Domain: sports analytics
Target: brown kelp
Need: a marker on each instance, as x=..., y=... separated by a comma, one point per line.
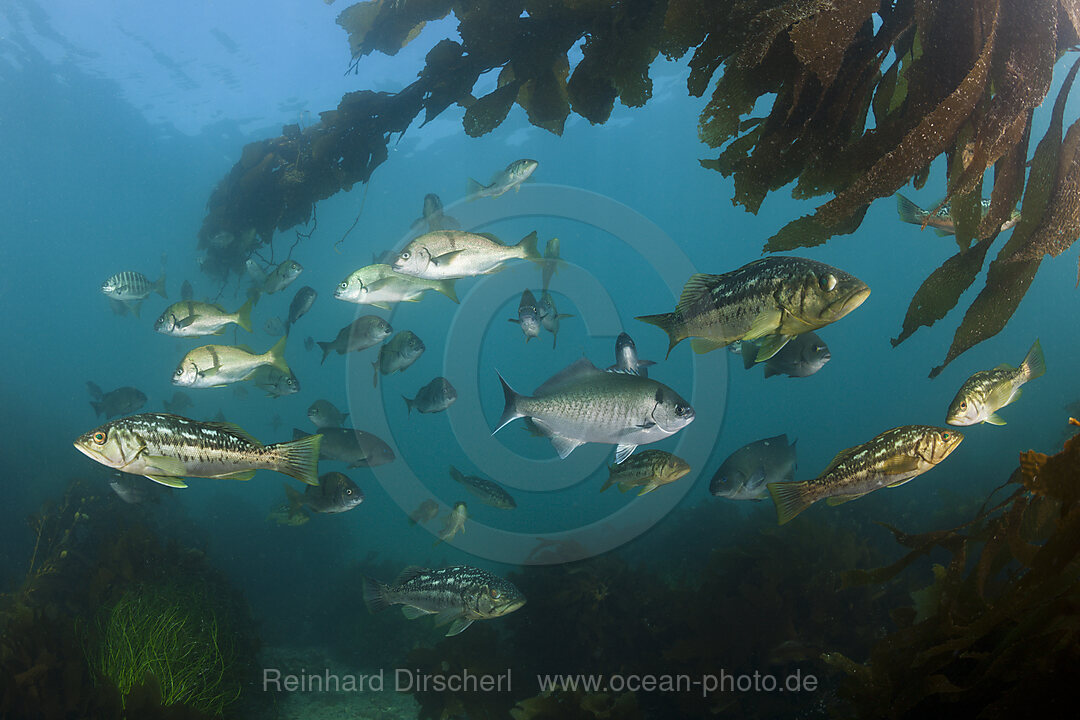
x=995, y=633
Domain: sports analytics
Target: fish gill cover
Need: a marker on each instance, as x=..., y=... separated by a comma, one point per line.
x=863, y=95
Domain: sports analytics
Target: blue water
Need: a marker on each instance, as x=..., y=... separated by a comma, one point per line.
x=117, y=123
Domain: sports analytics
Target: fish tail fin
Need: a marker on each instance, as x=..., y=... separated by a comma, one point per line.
x=326, y=348
x=510, y=411
x=408, y=403
x=277, y=355
x=295, y=498
x=908, y=211
x=610, y=478
x=98, y=407
x=456, y=475
x=374, y=593
x=791, y=498
x=243, y=315
x=529, y=248
x=473, y=188
x=1034, y=364
x=446, y=287
x=667, y=323
x=300, y=458
x=159, y=286
x=94, y=390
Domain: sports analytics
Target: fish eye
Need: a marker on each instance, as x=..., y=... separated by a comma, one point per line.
x=829, y=282
x=343, y=285
x=494, y=593
x=349, y=491
x=404, y=255
x=179, y=371
x=946, y=435
x=100, y=437
x=963, y=404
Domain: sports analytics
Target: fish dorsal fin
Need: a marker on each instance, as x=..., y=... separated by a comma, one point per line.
x=231, y=429
x=578, y=370
x=409, y=573
x=839, y=458
x=697, y=289
x=490, y=237
x=1004, y=366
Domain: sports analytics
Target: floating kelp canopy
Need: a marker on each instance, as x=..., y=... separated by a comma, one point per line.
x=864, y=95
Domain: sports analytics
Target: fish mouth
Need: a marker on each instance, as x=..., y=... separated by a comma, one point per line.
x=856, y=298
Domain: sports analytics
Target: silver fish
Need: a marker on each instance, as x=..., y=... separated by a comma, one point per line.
x=451, y=254
x=381, y=286
x=196, y=319
x=626, y=357
x=511, y=178
x=528, y=316
x=362, y=333
x=131, y=288
x=281, y=277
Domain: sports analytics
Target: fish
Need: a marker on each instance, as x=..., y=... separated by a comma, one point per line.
x=255, y=272
x=219, y=365
x=585, y=404
x=550, y=264
x=803, y=356
x=195, y=319
x=362, y=333
x=135, y=490
x=434, y=397
x=179, y=403
x=648, y=470
x=287, y=514
x=355, y=448
x=403, y=350
x=987, y=391
x=335, y=493
x=528, y=316
x=489, y=492
x=511, y=178
x=746, y=472
x=168, y=448
x=325, y=415
x=274, y=382
x=452, y=254
x=186, y=291
x=769, y=300
x=942, y=220
x=301, y=303
x=458, y=595
x=455, y=523
x=889, y=460
x=424, y=513
x=550, y=316
x=309, y=343
x=274, y=326
x=131, y=288
x=118, y=307
x=381, y=286
x=434, y=217
x=626, y=357
x=121, y=401
x=281, y=277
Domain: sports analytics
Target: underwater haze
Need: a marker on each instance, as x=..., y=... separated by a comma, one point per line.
x=121, y=119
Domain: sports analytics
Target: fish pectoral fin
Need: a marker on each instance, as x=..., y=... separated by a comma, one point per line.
x=162, y=465
x=1002, y=395
x=764, y=324
x=563, y=445
x=239, y=475
x=841, y=499
x=458, y=626
x=412, y=613
x=622, y=452
x=446, y=258
x=648, y=488
x=168, y=480
x=770, y=346
x=381, y=305
x=448, y=615
x=900, y=464
x=995, y=419
x=186, y=322
x=704, y=345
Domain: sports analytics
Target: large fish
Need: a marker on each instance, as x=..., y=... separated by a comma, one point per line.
x=380, y=285
x=451, y=254
x=585, y=404
x=769, y=300
x=219, y=365
x=987, y=391
x=362, y=333
x=745, y=473
x=511, y=178
x=168, y=448
x=195, y=319
x=489, y=492
x=456, y=595
x=888, y=460
x=121, y=401
x=355, y=448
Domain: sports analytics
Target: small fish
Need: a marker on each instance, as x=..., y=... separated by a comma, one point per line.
x=255, y=272
x=424, y=513
x=301, y=303
x=647, y=470
x=274, y=382
x=769, y=300
x=380, y=285
x=355, y=448
x=490, y=493
x=131, y=288
x=281, y=277
x=121, y=401
x=309, y=343
x=585, y=404
x=455, y=523
x=452, y=254
x=362, y=333
x=289, y=515
x=434, y=217
x=528, y=316
x=987, y=391
x=434, y=397
x=179, y=403
x=942, y=221
x=335, y=493
x=626, y=357
x=169, y=448
x=195, y=319
x=135, y=490
x=325, y=415
x=457, y=595
x=186, y=291
x=403, y=350
x=274, y=326
x=219, y=365
x=511, y=178
x=550, y=316
x=802, y=357
x=746, y=472
x=551, y=262
x=888, y=460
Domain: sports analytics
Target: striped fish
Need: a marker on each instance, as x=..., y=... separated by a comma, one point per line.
x=987, y=391
x=889, y=460
x=167, y=448
x=132, y=288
